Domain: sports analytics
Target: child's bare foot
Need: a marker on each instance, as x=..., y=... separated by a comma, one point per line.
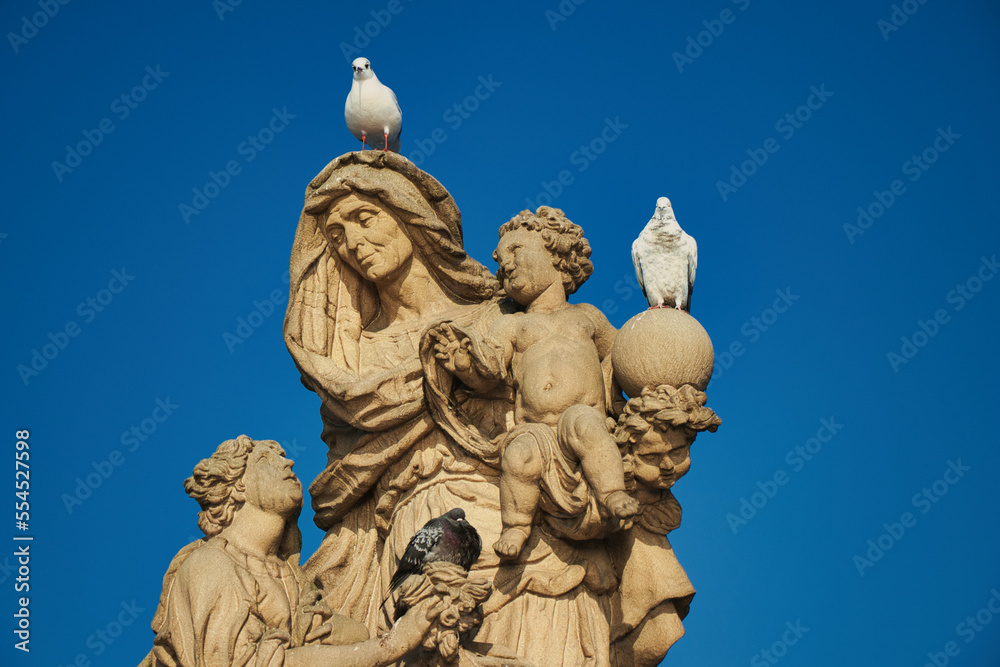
x=621, y=504
x=510, y=543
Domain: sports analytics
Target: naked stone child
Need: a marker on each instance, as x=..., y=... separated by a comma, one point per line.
x=552, y=356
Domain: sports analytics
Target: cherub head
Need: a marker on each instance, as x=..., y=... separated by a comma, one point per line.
x=658, y=428
x=531, y=244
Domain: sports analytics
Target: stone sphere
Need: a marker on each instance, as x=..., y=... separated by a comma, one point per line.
x=662, y=346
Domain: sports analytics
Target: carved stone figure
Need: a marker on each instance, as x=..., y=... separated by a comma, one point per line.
x=657, y=429
x=551, y=354
x=238, y=597
x=437, y=392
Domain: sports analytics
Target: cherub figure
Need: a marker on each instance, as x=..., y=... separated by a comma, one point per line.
x=560, y=455
x=657, y=429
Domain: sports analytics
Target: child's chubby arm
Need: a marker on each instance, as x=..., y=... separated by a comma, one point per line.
x=605, y=334
x=480, y=363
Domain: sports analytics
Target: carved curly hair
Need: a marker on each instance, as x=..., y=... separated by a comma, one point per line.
x=217, y=482
x=665, y=407
x=563, y=238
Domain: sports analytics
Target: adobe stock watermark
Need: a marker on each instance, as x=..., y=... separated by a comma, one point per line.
x=924, y=500
x=562, y=12
x=107, y=634
x=261, y=310
x=925, y=330
x=581, y=158
x=248, y=149
x=779, y=649
x=122, y=107
x=752, y=330
x=796, y=458
x=87, y=310
x=898, y=17
x=968, y=629
x=364, y=34
x=131, y=440
x=454, y=116
x=223, y=7
x=37, y=21
x=914, y=168
x=786, y=126
x=714, y=28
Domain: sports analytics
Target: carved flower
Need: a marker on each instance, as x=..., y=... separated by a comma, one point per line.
x=448, y=645
x=449, y=617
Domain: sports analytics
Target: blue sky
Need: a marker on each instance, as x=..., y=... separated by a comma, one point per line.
x=863, y=339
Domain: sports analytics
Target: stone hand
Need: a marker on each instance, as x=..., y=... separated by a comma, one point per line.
x=451, y=350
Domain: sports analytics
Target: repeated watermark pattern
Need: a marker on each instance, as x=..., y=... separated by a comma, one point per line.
x=58, y=341
x=898, y=16
x=454, y=116
x=562, y=11
x=260, y=311
x=30, y=26
x=913, y=168
x=223, y=7
x=122, y=107
x=779, y=649
x=248, y=149
x=581, y=158
x=968, y=629
x=786, y=126
x=363, y=34
x=131, y=440
x=796, y=458
x=695, y=45
x=752, y=330
x=101, y=639
x=957, y=297
x=923, y=501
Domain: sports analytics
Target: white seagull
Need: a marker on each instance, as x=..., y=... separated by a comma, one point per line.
x=665, y=259
x=371, y=110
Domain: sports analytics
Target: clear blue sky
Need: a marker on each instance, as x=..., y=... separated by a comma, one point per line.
x=767, y=124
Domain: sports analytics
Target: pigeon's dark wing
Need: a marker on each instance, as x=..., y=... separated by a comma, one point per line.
x=421, y=544
x=471, y=548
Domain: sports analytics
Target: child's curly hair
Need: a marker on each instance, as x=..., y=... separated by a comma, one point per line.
x=665, y=407
x=571, y=252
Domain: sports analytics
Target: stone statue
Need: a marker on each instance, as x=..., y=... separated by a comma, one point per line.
x=560, y=448
x=238, y=597
x=440, y=389
x=657, y=428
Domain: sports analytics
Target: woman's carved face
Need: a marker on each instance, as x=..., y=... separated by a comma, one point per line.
x=368, y=237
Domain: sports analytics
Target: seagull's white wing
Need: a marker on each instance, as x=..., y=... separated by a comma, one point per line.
x=637, y=263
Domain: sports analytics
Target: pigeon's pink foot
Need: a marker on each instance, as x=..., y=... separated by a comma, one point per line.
x=363, y=142
x=385, y=146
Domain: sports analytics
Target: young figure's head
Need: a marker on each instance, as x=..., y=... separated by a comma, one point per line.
x=243, y=471
x=536, y=250
x=658, y=428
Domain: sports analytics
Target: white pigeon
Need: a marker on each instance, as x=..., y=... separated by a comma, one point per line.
x=665, y=259
x=371, y=110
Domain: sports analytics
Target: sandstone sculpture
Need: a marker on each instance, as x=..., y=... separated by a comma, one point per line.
x=427, y=377
x=445, y=390
x=238, y=597
x=559, y=456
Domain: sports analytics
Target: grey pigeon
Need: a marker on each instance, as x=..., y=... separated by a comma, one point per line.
x=449, y=538
x=665, y=259
x=371, y=111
